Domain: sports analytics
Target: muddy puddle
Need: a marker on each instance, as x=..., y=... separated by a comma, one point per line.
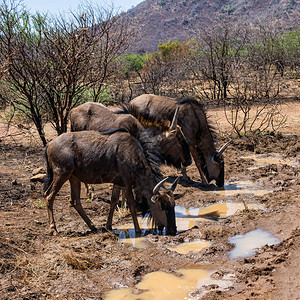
x=247, y=244
x=192, y=282
x=190, y=247
x=186, y=218
x=239, y=187
x=262, y=160
x=217, y=210
x=126, y=233
x=185, y=284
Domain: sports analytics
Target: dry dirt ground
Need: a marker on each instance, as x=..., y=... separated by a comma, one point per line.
x=78, y=264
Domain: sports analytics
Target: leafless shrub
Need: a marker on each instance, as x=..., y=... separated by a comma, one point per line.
x=245, y=117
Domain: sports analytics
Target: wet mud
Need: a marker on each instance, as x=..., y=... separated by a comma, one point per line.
x=261, y=195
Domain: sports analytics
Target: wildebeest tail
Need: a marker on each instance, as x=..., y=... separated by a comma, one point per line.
x=125, y=109
x=49, y=176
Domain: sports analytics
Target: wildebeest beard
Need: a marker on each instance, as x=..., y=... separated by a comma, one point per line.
x=203, y=164
x=149, y=145
x=220, y=179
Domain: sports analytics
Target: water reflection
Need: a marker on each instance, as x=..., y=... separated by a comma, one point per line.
x=239, y=187
x=246, y=244
x=186, y=218
x=128, y=237
x=126, y=233
x=217, y=210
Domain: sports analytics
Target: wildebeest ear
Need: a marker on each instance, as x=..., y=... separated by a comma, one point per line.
x=159, y=186
x=173, y=187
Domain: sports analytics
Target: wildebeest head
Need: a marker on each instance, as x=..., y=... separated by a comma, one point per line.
x=214, y=169
x=162, y=207
x=194, y=125
x=174, y=146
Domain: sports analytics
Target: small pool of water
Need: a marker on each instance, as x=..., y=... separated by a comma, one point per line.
x=187, y=284
x=186, y=218
x=239, y=187
x=193, y=247
x=247, y=244
x=217, y=210
x=163, y=286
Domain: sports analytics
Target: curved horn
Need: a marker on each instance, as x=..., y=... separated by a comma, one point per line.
x=173, y=187
x=158, y=186
x=175, y=119
x=222, y=149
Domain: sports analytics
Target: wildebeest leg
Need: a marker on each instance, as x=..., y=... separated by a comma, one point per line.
x=185, y=177
x=89, y=191
x=132, y=206
x=49, y=197
x=122, y=203
x=198, y=164
x=113, y=203
x=75, y=202
x=87, y=188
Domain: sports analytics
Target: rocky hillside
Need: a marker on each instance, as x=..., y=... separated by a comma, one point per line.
x=158, y=21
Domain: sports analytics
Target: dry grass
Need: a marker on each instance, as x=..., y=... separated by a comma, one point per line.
x=122, y=211
x=80, y=261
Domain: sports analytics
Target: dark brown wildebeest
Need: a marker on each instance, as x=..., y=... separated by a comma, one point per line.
x=172, y=145
x=96, y=116
x=193, y=122
x=115, y=157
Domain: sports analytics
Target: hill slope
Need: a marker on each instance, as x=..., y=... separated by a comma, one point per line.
x=158, y=21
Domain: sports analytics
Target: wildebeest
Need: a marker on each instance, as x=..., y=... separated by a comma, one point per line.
x=96, y=116
x=194, y=125
x=172, y=145
x=115, y=157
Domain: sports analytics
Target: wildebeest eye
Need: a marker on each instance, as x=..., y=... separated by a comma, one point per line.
x=218, y=159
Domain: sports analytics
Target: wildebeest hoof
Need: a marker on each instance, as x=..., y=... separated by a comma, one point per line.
x=138, y=233
x=106, y=229
x=186, y=179
x=94, y=229
x=53, y=232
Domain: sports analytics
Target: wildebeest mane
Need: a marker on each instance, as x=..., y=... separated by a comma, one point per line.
x=153, y=159
x=149, y=146
x=193, y=102
x=145, y=119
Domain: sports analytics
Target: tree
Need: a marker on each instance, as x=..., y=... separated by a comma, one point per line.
x=256, y=79
x=55, y=63
x=19, y=37
x=214, y=53
x=164, y=72
x=129, y=75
